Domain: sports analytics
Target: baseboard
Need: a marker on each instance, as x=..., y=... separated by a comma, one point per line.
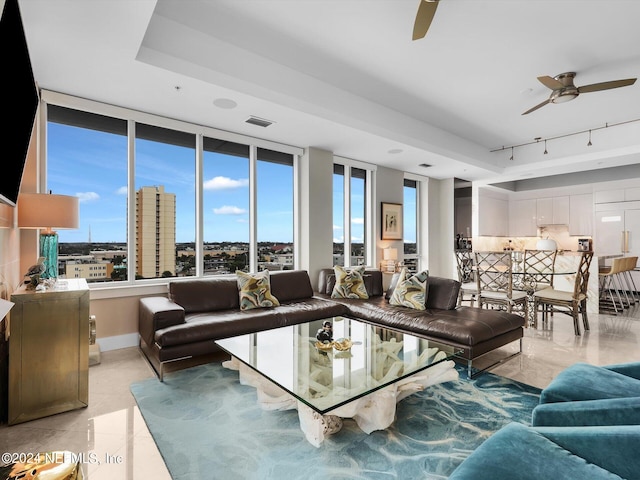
x=117, y=342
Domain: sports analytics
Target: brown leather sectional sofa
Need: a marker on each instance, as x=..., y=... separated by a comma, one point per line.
x=199, y=311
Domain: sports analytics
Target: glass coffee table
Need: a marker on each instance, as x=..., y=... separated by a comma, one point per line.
x=362, y=374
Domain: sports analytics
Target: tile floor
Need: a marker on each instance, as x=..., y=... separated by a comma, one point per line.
x=112, y=424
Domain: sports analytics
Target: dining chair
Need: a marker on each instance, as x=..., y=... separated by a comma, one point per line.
x=495, y=282
x=466, y=276
x=572, y=303
x=538, y=266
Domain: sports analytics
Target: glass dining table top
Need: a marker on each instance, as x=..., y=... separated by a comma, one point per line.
x=324, y=377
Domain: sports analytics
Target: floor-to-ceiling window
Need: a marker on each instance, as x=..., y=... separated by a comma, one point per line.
x=87, y=158
x=163, y=202
x=338, y=214
x=410, y=225
x=165, y=213
x=274, y=210
x=225, y=206
x=352, y=207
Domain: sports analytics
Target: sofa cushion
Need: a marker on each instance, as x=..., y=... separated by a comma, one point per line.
x=411, y=291
x=289, y=285
x=255, y=290
x=443, y=293
x=205, y=294
x=349, y=283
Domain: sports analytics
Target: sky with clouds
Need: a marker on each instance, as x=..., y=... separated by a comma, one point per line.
x=93, y=166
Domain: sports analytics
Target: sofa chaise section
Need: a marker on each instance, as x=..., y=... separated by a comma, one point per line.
x=474, y=331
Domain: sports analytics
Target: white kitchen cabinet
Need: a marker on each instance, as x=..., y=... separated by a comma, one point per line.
x=581, y=214
x=522, y=218
x=552, y=211
x=609, y=196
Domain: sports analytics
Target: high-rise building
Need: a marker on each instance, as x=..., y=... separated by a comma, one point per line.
x=155, y=232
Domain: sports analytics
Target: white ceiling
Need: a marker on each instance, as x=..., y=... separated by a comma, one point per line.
x=345, y=76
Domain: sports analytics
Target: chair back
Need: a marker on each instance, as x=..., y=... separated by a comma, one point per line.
x=582, y=275
x=540, y=264
x=631, y=263
x=493, y=272
x=464, y=263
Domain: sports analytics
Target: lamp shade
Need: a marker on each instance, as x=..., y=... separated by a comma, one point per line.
x=46, y=210
x=390, y=253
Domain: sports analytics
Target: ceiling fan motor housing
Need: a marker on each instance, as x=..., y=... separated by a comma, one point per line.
x=566, y=93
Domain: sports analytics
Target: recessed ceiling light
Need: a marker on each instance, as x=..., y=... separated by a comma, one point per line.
x=225, y=103
x=395, y=151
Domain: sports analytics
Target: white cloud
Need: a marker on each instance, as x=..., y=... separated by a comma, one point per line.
x=122, y=191
x=229, y=210
x=87, y=196
x=357, y=221
x=225, y=183
x=337, y=227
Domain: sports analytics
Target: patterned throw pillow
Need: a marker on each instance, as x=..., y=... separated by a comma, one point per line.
x=411, y=292
x=349, y=283
x=255, y=290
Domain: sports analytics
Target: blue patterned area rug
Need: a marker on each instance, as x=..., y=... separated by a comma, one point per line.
x=209, y=426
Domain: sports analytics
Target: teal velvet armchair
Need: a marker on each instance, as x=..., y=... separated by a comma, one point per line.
x=586, y=394
x=518, y=452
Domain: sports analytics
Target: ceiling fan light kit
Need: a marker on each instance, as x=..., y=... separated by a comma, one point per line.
x=563, y=89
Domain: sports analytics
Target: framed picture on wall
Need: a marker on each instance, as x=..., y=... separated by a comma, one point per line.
x=391, y=225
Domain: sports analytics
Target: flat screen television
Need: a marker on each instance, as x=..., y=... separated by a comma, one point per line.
x=20, y=101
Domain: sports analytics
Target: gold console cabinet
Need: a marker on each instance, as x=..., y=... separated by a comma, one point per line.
x=48, y=351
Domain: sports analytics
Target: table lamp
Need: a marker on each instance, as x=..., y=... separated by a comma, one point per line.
x=47, y=211
x=390, y=255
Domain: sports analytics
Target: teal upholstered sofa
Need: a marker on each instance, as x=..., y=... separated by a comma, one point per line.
x=584, y=394
x=518, y=452
x=587, y=426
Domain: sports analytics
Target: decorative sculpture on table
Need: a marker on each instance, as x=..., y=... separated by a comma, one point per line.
x=32, y=277
x=325, y=334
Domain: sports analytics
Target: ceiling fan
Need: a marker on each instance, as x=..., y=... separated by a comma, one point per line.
x=426, y=12
x=564, y=90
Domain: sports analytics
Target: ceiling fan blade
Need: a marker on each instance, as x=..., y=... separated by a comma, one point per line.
x=550, y=82
x=426, y=12
x=594, y=87
x=537, y=106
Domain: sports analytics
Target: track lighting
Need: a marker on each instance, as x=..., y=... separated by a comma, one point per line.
x=546, y=152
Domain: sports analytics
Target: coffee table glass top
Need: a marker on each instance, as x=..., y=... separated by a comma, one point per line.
x=324, y=377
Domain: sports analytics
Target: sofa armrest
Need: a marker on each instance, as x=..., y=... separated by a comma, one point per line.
x=157, y=313
x=609, y=411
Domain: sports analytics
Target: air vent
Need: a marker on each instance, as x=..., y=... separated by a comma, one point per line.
x=425, y=165
x=261, y=122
